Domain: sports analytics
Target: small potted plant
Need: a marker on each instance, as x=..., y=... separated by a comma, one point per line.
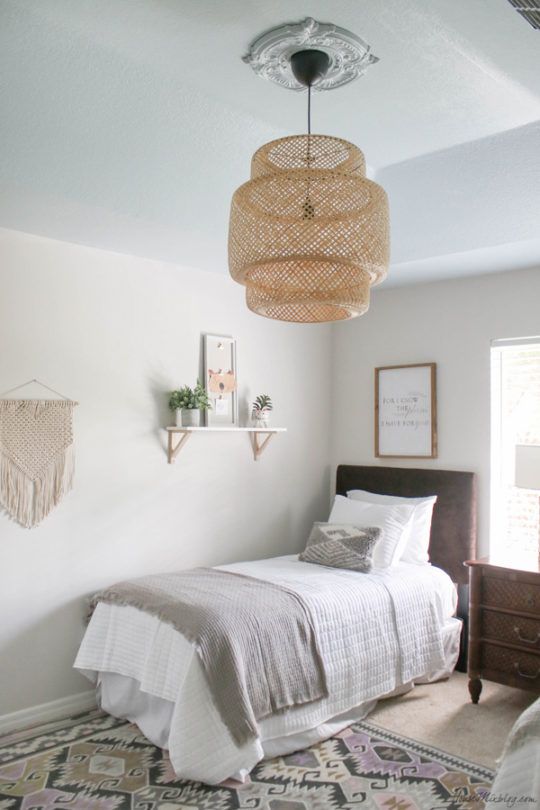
x=187, y=403
x=260, y=410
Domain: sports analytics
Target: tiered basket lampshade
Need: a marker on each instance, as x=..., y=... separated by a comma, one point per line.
x=309, y=233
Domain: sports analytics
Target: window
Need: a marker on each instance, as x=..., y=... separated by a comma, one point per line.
x=515, y=419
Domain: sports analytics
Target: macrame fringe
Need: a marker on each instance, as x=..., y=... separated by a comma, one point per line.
x=30, y=501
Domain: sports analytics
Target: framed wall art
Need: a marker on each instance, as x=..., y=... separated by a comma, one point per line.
x=406, y=411
x=219, y=362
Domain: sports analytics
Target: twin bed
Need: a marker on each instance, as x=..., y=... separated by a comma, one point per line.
x=377, y=633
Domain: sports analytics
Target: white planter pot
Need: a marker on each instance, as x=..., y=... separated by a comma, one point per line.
x=191, y=417
x=261, y=419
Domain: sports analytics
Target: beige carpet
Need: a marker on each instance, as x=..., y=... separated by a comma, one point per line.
x=441, y=714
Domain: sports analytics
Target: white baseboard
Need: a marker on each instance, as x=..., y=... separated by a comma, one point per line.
x=45, y=712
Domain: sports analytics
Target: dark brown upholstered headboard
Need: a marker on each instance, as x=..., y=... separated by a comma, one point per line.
x=453, y=529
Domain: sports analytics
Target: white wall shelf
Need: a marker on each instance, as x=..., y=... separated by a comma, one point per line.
x=255, y=434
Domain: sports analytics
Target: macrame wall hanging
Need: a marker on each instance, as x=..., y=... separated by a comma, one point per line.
x=36, y=454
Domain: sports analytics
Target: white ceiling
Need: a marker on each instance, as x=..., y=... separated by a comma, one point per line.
x=127, y=125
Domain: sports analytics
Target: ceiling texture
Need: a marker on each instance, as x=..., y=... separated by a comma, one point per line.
x=127, y=124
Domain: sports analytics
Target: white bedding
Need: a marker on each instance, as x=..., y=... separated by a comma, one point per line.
x=377, y=632
x=517, y=782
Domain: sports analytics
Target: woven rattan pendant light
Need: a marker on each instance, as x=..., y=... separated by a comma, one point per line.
x=309, y=233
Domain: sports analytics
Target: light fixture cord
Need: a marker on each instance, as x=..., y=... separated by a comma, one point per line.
x=308, y=210
x=309, y=128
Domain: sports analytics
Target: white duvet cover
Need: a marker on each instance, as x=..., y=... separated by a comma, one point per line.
x=517, y=782
x=377, y=632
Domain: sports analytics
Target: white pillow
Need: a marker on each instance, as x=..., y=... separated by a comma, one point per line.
x=417, y=532
x=392, y=521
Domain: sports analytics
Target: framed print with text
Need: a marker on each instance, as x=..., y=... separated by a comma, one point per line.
x=406, y=411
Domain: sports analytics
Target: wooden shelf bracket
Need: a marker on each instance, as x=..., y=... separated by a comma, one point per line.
x=172, y=448
x=258, y=445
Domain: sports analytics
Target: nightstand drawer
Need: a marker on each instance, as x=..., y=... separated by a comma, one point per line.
x=511, y=594
x=512, y=629
x=525, y=667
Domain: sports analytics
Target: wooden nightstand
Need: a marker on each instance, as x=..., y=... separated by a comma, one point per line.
x=504, y=624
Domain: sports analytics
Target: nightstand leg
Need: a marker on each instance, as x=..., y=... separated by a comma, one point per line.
x=475, y=688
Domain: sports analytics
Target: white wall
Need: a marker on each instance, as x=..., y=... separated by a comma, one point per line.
x=116, y=333
x=452, y=324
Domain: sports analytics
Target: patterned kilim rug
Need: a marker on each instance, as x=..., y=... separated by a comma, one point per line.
x=96, y=762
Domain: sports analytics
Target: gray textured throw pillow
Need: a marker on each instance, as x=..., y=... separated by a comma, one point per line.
x=341, y=546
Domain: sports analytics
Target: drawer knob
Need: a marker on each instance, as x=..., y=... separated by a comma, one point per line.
x=525, y=674
x=529, y=600
x=526, y=640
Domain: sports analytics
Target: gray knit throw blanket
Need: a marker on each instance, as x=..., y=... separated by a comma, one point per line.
x=256, y=640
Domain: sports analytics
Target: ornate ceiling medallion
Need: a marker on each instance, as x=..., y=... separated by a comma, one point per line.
x=308, y=232
x=349, y=56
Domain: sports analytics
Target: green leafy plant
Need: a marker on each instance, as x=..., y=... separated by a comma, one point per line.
x=262, y=404
x=190, y=399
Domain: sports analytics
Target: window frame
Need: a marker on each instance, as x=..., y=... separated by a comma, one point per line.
x=497, y=480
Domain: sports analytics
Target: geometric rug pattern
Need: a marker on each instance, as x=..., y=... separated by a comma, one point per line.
x=96, y=762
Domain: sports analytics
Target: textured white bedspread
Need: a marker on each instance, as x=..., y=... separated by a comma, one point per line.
x=517, y=782
x=376, y=631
